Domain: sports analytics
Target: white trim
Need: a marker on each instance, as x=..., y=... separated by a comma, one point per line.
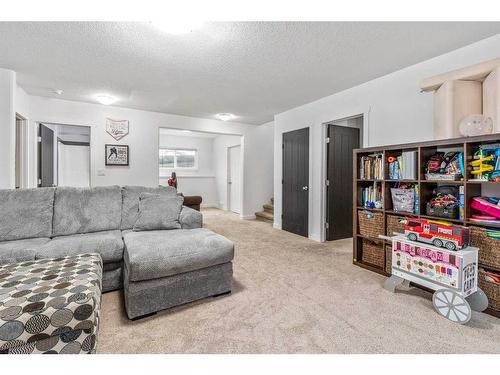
x=202, y=176
x=209, y=205
x=247, y=217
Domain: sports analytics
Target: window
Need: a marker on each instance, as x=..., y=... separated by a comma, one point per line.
x=178, y=158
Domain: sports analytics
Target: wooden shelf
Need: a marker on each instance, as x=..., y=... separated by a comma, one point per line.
x=424, y=151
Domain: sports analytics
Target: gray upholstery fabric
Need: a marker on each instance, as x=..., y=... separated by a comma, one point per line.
x=86, y=210
x=157, y=212
x=190, y=219
x=20, y=250
x=156, y=254
x=26, y=213
x=112, y=280
x=108, y=244
x=146, y=297
x=130, y=211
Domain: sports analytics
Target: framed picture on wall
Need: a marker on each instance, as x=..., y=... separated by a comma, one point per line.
x=116, y=155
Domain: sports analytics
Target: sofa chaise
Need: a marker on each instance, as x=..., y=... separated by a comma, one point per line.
x=157, y=269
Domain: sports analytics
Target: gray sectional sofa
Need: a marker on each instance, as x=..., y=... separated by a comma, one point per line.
x=158, y=269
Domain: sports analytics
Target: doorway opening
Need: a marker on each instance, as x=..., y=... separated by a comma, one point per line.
x=21, y=157
x=234, y=178
x=63, y=155
x=204, y=166
x=342, y=137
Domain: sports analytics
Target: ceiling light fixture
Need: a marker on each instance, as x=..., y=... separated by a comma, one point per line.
x=225, y=116
x=58, y=92
x=177, y=27
x=105, y=99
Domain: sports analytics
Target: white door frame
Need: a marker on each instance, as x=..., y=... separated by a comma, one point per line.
x=228, y=174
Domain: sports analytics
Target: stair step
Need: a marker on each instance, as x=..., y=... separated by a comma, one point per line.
x=264, y=216
x=269, y=208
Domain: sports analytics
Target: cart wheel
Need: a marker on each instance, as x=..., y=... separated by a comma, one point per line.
x=412, y=237
x=452, y=306
x=450, y=245
x=478, y=301
x=437, y=243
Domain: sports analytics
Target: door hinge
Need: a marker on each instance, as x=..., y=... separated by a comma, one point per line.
x=327, y=139
x=327, y=226
x=39, y=181
x=327, y=182
x=38, y=139
x=282, y=216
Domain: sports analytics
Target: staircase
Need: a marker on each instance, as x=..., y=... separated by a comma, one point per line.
x=268, y=214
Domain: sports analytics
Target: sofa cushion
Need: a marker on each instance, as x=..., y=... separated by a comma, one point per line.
x=26, y=213
x=108, y=244
x=158, y=212
x=155, y=254
x=86, y=210
x=20, y=250
x=190, y=219
x=130, y=210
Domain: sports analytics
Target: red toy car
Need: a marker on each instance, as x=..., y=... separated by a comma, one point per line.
x=437, y=233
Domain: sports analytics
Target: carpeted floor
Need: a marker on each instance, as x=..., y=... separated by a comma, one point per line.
x=293, y=295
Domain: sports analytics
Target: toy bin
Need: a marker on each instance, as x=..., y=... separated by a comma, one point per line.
x=373, y=253
x=388, y=259
x=444, y=212
x=394, y=225
x=489, y=248
x=491, y=289
x=371, y=224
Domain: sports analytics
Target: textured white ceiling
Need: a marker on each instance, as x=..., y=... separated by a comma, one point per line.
x=251, y=69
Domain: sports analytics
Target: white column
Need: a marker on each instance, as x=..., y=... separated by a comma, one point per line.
x=7, y=129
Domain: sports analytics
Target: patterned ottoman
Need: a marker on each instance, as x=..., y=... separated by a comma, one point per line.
x=50, y=305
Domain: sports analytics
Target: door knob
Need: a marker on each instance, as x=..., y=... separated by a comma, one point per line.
x=305, y=188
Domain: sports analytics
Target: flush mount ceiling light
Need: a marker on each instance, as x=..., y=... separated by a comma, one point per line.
x=58, y=92
x=105, y=99
x=225, y=116
x=177, y=27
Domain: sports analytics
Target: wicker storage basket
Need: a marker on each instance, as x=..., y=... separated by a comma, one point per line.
x=388, y=259
x=393, y=224
x=371, y=224
x=489, y=248
x=492, y=290
x=373, y=253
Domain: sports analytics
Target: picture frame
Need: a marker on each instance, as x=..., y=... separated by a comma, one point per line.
x=116, y=155
x=117, y=128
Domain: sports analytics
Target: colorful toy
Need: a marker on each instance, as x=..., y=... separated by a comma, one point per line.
x=486, y=205
x=438, y=233
x=486, y=163
x=451, y=274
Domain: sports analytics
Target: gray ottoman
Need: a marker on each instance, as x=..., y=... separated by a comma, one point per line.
x=50, y=305
x=167, y=268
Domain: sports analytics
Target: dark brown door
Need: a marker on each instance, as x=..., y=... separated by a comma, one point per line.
x=342, y=140
x=295, y=208
x=46, y=157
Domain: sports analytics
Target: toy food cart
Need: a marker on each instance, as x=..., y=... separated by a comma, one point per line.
x=451, y=274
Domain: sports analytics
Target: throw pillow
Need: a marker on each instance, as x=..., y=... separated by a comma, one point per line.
x=158, y=212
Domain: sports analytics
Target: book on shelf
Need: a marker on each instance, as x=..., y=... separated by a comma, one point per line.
x=372, y=167
x=371, y=194
x=404, y=167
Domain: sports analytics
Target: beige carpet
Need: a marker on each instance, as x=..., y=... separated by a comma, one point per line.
x=293, y=295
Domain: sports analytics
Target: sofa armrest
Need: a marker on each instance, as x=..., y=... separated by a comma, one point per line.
x=190, y=219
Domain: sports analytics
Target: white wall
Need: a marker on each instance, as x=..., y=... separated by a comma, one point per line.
x=7, y=128
x=200, y=181
x=261, y=190
x=395, y=111
x=221, y=143
x=143, y=141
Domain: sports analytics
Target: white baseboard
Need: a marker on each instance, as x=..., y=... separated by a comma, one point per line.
x=209, y=205
x=276, y=226
x=247, y=217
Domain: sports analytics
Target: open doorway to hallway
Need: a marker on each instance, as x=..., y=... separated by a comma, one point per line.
x=342, y=137
x=206, y=165
x=63, y=155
